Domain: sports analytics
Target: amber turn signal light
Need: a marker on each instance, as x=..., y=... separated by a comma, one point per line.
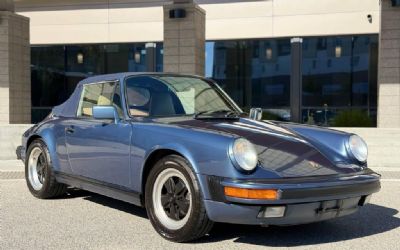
x=265, y=194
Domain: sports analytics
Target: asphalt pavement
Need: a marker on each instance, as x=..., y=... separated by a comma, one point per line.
x=83, y=220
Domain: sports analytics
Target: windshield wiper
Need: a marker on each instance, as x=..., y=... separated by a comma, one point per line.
x=197, y=114
x=211, y=114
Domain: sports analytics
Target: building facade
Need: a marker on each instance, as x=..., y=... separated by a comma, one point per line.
x=262, y=53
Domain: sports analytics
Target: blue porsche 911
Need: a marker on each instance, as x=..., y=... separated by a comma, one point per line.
x=179, y=146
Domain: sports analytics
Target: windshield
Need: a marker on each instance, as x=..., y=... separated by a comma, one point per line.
x=174, y=96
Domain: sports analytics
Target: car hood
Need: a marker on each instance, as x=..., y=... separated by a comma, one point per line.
x=280, y=150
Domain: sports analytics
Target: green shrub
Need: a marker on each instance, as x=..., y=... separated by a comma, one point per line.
x=270, y=116
x=352, y=118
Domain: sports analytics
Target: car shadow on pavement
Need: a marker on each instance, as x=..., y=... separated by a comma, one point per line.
x=372, y=219
x=105, y=201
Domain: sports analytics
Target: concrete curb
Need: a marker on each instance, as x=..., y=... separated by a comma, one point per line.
x=10, y=139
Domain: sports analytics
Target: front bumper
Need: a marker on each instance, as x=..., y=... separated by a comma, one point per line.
x=295, y=214
x=305, y=200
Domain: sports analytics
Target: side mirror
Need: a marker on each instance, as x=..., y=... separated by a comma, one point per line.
x=256, y=114
x=105, y=112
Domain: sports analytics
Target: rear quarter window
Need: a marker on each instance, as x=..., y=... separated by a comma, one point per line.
x=95, y=94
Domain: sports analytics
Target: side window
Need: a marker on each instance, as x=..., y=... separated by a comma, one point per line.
x=139, y=101
x=95, y=94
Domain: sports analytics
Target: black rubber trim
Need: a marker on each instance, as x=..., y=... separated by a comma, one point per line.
x=103, y=188
x=18, y=151
x=215, y=188
x=357, y=188
x=368, y=173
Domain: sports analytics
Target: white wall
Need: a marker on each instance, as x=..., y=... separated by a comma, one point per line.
x=108, y=21
x=286, y=18
x=99, y=21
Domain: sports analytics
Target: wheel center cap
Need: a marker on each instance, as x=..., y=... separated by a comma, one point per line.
x=172, y=198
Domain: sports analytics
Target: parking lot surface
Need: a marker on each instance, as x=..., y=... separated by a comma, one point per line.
x=83, y=220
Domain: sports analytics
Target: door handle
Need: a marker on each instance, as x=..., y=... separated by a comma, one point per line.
x=70, y=130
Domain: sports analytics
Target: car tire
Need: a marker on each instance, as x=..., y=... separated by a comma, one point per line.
x=39, y=173
x=165, y=216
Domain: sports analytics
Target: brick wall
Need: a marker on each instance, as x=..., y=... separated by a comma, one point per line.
x=389, y=67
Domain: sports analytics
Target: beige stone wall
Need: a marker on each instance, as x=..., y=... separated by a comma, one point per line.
x=93, y=21
x=290, y=18
x=15, y=84
x=184, y=40
x=108, y=21
x=389, y=67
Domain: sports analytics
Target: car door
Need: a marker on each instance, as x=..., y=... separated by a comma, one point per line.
x=99, y=149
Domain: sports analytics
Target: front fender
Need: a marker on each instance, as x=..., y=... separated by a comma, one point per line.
x=332, y=143
x=207, y=153
x=180, y=149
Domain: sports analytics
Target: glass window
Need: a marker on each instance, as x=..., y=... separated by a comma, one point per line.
x=83, y=61
x=170, y=96
x=47, y=79
x=125, y=58
x=255, y=73
x=56, y=70
x=159, y=57
x=339, y=74
x=101, y=94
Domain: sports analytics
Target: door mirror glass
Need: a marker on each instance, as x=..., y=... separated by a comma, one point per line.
x=256, y=114
x=105, y=112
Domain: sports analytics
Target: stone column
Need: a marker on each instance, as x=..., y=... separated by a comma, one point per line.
x=15, y=79
x=184, y=38
x=389, y=67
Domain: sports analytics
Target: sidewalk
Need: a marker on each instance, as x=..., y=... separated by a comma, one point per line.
x=11, y=166
x=11, y=170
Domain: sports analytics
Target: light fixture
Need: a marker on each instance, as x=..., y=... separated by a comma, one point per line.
x=246, y=193
x=150, y=45
x=177, y=13
x=243, y=155
x=268, y=53
x=272, y=212
x=79, y=58
x=137, y=57
x=338, y=51
x=369, y=17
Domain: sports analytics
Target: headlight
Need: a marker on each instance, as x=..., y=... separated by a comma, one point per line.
x=358, y=148
x=243, y=154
